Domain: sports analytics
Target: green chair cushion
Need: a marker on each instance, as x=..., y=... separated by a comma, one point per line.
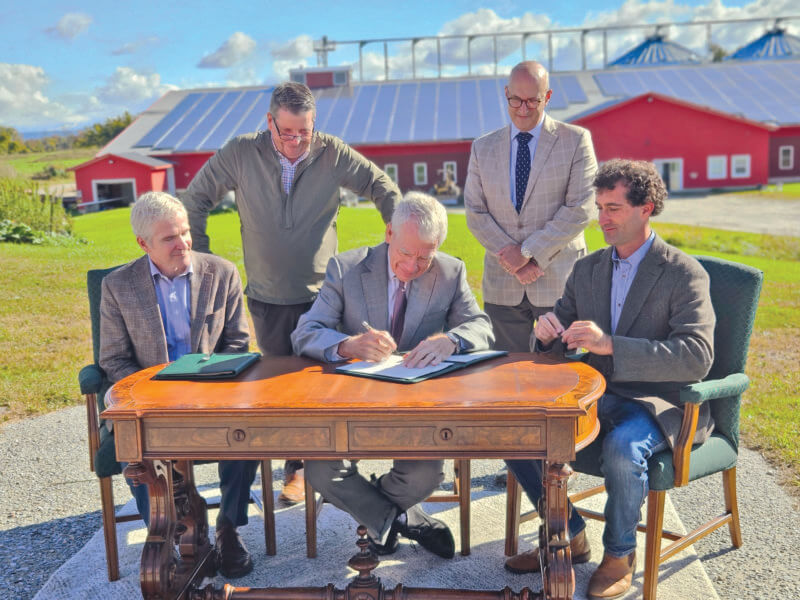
x=91, y=379
x=715, y=455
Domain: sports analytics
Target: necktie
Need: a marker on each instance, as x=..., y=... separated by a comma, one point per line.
x=523, y=167
x=399, y=312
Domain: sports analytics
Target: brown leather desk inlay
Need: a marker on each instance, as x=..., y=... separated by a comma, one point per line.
x=517, y=406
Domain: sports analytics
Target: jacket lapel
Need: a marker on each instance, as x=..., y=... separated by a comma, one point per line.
x=503, y=163
x=418, y=300
x=647, y=275
x=201, y=283
x=601, y=291
x=144, y=291
x=544, y=145
x=374, y=282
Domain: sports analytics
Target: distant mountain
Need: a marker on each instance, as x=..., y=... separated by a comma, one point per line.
x=35, y=135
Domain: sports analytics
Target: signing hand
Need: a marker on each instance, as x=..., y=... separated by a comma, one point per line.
x=529, y=273
x=511, y=259
x=586, y=334
x=548, y=328
x=430, y=351
x=372, y=345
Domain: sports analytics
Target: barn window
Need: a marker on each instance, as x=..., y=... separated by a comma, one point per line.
x=391, y=171
x=740, y=166
x=451, y=166
x=786, y=157
x=420, y=173
x=717, y=167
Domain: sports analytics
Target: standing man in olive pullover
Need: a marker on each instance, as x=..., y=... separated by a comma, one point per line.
x=286, y=181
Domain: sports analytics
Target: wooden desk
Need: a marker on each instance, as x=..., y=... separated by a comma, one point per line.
x=518, y=406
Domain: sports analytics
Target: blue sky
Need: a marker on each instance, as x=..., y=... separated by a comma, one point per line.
x=68, y=64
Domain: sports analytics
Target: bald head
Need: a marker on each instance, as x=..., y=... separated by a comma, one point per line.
x=528, y=92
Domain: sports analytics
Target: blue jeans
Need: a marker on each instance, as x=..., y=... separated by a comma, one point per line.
x=631, y=437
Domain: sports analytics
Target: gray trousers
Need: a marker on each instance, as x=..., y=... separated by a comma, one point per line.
x=513, y=325
x=409, y=482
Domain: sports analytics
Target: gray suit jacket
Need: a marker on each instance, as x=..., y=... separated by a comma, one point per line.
x=665, y=335
x=558, y=204
x=355, y=290
x=131, y=330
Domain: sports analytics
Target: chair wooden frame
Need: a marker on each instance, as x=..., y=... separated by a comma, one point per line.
x=461, y=493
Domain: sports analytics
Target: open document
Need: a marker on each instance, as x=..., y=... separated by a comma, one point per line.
x=392, y=368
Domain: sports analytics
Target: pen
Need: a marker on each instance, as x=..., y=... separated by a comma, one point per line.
x=366, y=326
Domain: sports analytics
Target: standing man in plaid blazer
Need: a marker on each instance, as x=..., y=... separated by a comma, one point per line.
x=528, y=198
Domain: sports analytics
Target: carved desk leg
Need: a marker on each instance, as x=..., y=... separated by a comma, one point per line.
x=159, y=564
x=558, y=578
x=191, y=531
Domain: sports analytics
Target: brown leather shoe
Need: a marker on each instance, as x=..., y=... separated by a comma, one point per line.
x=613, y=577
x=294, y=490
x=528, y=562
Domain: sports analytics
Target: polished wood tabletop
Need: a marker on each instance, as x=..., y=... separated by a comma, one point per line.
x=515, y=406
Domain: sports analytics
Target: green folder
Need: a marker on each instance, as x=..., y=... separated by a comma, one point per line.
x=198, y=367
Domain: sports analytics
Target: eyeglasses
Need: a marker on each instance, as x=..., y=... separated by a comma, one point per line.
x=288, y=137
x=531, y=103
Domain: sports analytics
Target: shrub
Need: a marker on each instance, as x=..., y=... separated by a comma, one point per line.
x=25, y=205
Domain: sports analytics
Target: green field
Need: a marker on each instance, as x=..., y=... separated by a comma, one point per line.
x=45, y=339
x=27, y=165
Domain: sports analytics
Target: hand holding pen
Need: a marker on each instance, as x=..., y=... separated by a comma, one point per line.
x=372, y=345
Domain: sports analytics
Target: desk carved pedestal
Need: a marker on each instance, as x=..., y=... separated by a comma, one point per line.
x=519, y=406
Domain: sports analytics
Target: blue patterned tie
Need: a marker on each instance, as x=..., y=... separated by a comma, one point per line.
x=523, y=167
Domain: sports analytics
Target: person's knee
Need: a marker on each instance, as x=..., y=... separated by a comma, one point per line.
x=322, y=474
x=621, y=455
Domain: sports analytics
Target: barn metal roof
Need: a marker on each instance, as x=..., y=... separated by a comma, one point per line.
x=776, y=43
x=656, y=50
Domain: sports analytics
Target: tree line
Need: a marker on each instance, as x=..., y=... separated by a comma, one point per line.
x=98, y=134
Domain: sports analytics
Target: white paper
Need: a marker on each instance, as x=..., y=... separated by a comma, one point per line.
x=392, y=367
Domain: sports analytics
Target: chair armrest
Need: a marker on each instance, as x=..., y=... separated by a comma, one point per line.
x=692, y=396
x=91, y=379
x=732, y=385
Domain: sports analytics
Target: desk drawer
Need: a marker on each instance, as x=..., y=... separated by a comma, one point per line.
x=495, y=437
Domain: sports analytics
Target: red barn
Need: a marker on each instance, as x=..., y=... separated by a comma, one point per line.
x=693, y=146
x=784, y=154
x=120, y=178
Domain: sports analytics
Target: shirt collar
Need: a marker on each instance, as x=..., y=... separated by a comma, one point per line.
x=535, y=132
x=635, y=258
x=154, y=270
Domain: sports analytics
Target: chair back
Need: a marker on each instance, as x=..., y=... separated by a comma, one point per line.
x=735, y=290
x=94, y=280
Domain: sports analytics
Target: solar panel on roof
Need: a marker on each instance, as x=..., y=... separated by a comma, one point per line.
x=426, y=107
x=405, y=112
x=572, y=88
x=493, y=104
x=164, y=125
x=609, y=84
x=230, y=122
x=189, y=121
x=255, y=118
x=209, y=122
x=382, y=114
x=326, y=97
x=340, y=110
x=470, y=119
x=356, y=128
x=448, y=111
x=558, y=99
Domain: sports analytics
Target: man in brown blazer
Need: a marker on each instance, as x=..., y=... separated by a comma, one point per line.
x=642, y=312
x=163, y=305
x=528, y=198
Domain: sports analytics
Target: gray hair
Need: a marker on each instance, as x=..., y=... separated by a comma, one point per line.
x=152, y=207
x=294, y=97
x=429, y=214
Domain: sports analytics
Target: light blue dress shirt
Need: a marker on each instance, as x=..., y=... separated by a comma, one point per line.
x=174, y=301
x=622, y=276
x=535, y=132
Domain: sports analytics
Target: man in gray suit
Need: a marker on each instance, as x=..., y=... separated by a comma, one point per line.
x=163, y=305
x=401, y=295
x=641, y=310
x=528, y=198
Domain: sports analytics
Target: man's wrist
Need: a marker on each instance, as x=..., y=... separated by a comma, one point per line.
x=456, y=342
x=525, y=252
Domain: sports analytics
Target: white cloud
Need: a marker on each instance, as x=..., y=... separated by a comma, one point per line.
x=23, y=102
x=298, y=48
x=234, y=50
x=135, y=46
x=127, y=86
x=70, y=26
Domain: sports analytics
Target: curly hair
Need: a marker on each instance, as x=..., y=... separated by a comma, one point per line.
x=640, y=178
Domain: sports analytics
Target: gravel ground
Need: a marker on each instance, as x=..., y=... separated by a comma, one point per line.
x=49, y=505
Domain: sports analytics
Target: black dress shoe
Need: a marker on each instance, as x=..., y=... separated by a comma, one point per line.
x=232, y=556
x=432, y=534
x=390, y=547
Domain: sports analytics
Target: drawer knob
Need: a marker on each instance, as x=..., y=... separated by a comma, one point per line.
x=239, y=435
x=446, y=434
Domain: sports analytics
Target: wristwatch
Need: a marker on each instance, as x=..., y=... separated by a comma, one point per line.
x=456, y=340
x=525, y=252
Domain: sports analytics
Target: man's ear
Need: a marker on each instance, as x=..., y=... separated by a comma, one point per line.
x=647, y=208
x=388, y=236
x=142, y=243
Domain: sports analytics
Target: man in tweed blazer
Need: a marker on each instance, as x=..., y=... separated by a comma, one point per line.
x=642, y=310
x=528, y=200
x=163, y=305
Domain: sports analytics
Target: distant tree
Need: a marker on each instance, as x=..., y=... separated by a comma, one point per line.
x=100, y=134
x=11, y=141
x=718, y=53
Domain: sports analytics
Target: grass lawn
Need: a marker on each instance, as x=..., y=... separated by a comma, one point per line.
x=44, y=322
x=787, y=191
x=26, y=165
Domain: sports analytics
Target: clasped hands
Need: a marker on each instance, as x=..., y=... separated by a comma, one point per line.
x=374, y=346
x=524, y=269
x=581, y=334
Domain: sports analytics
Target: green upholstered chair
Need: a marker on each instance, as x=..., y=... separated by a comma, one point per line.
x=102, y=454
x=735, y=290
